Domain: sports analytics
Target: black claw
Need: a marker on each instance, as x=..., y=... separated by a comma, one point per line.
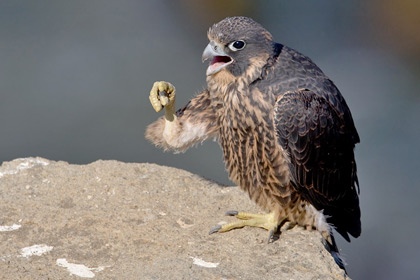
x=270, y=236
x=231, y=213
x=163, y=93
x=215, y=229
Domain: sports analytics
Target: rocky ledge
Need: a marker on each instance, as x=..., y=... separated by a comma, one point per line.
x=115, y=220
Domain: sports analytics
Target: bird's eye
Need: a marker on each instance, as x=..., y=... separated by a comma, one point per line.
x=237, y=45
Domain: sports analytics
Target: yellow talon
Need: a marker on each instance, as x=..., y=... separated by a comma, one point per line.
x=162, y=95
x=267, y=221
x=164, y=100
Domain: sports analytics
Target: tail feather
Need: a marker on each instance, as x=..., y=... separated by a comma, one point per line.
x=331, y=246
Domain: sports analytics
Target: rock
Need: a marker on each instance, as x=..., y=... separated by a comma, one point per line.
x=114, y=220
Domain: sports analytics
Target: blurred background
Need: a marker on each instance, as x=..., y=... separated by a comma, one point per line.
x=75, y=77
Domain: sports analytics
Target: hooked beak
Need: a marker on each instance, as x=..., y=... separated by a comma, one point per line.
x=218, y=59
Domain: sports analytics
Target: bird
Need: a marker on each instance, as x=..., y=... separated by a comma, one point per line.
x=286, y=131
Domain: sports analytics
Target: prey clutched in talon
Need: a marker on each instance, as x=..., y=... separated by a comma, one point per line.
x=267, y=221
x=162, y=95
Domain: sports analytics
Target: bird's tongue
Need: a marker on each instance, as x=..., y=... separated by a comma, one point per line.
x=219, y=61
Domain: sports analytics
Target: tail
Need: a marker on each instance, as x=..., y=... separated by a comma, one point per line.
x=331, y=246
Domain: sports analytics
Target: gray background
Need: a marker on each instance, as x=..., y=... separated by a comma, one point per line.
x=75, y=75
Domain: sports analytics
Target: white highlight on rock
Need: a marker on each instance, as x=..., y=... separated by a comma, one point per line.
x=183, y=224
x=25, y=164
x=79, y=269
x=36, y=250
x=203, y=263
x=10, y=228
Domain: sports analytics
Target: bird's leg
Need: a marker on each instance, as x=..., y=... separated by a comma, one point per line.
x=162, y=95
x=270, y=222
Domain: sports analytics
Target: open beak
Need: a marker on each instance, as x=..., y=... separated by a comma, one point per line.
x=218, y=59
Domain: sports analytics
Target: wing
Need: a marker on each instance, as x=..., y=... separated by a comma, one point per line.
x=320, y=141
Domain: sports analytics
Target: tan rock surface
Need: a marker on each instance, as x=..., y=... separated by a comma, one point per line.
x=114, y=220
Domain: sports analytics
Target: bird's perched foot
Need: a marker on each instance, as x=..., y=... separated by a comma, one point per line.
x=269, y=222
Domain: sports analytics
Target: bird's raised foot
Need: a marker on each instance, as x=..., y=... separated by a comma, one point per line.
x=267, y=221
x=162, y=95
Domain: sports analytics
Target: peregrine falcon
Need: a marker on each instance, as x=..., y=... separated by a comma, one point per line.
x=287, y=134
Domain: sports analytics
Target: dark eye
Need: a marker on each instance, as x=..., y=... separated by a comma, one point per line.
x=237, y=45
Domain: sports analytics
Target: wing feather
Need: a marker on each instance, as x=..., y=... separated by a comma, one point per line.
x=320, y=142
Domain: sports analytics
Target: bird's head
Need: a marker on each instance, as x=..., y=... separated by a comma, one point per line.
x=238, y=45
